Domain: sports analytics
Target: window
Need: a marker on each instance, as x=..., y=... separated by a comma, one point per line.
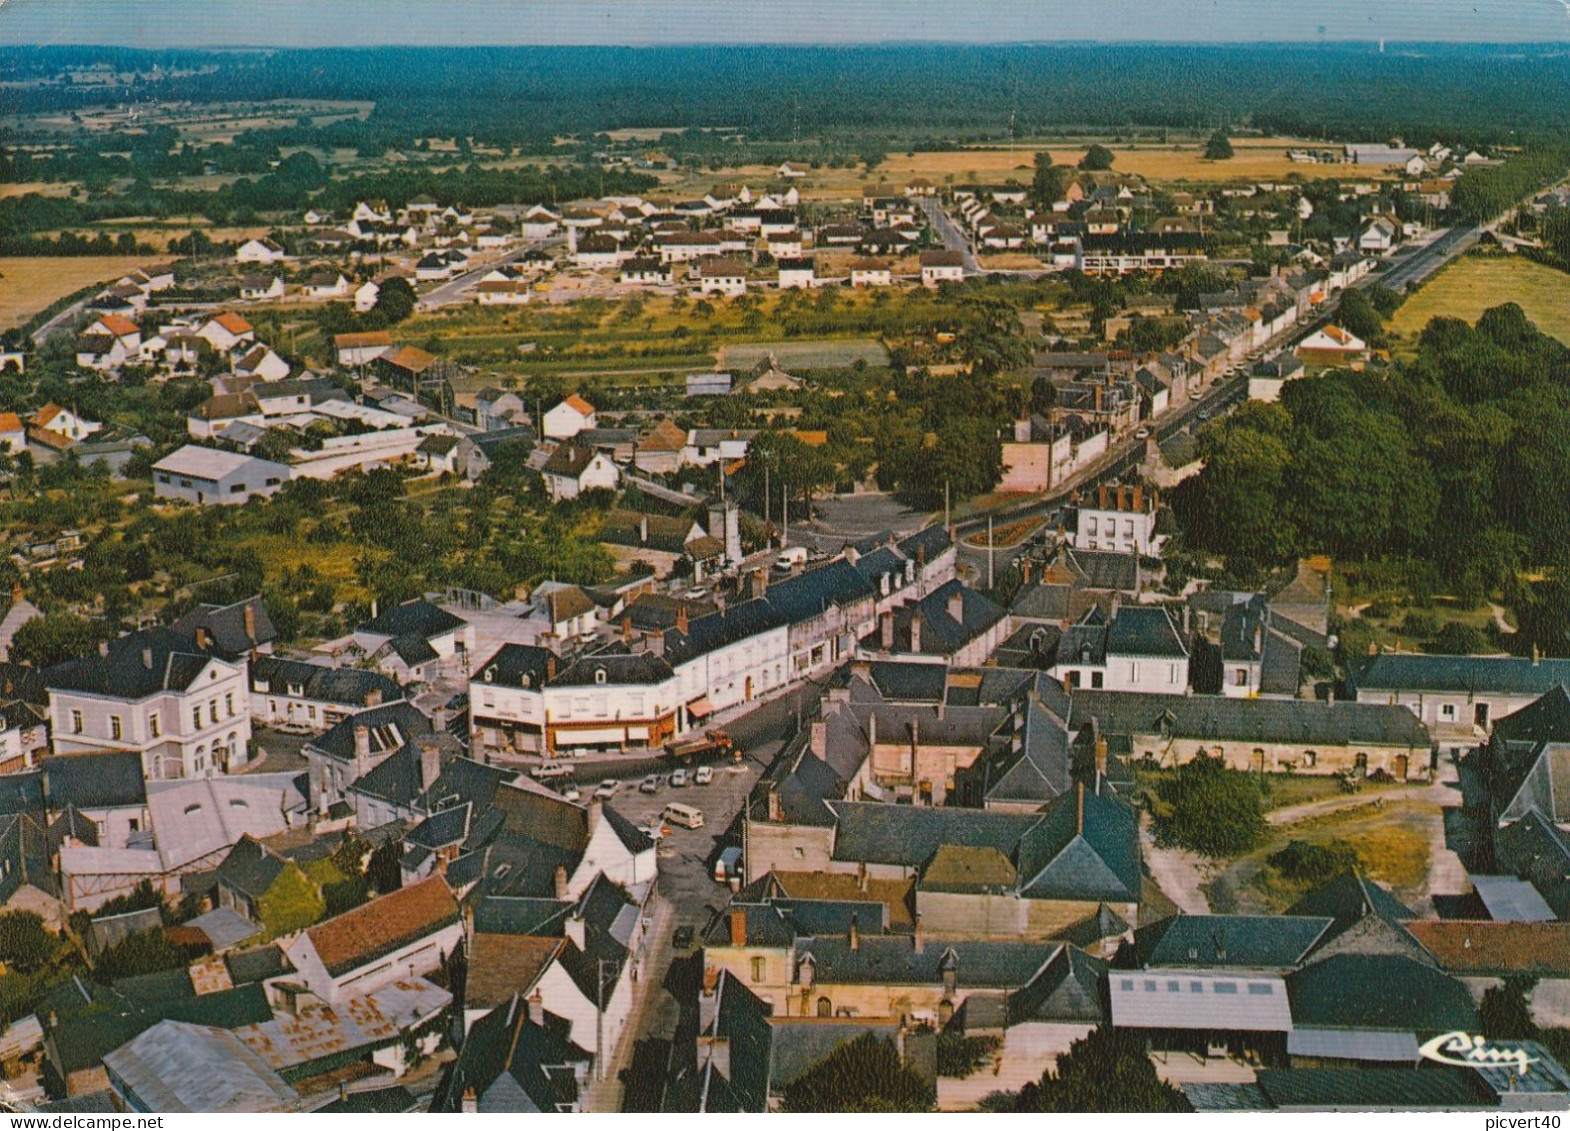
x=1240, y=678
x=1310, y=757
x=1260, y=989
x=825, y=1007
x=1447, y=712
x=1090, y=527
x=759, y=966
x=801, y=853
x=1226, y=987
x=196, y=716
x=1096, y=680
x=116, y=727
x=76, y=722
x=212, y=711
x=237, y=489
x=1133, y=673
x=229, y=703
x=1172, y=673
x=155, y=725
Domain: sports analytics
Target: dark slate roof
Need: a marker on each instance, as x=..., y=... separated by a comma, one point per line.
x=813, y=592
x=250, y=868
x=1071, y=987
x=24, y=855
x=139, y=664
x=395, y=1100
x=1040, y=770
x=1214, y=717
x=1255, y=942
x=226, y=624
x=1534, y=849
x=1106, y=569
x=708, y=633
x=521, y=915
x=614, y=664
x=1348, y=898
x=1352, y=1089
x=95, y=781
x=1094, y=857
x=257, y=964
x=390, y=725
x=569, y=460
x=514, y=1063
x=942, y=633
x=1408, y=671
x=413, y=618
x=397, y=780
x=742, y=1019
x=909, y=835
x=926, y=545
x=797, y=1046
x=1378, y=991
x=513, y=665
x=896, y=960
x=1144, y=630
x=349, y=687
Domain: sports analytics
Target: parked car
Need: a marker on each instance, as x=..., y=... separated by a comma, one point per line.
x=679, y=779
x=727, y=865
x=1142, y=434
x=683, y=938
x=650, y=784
x=571, y=792
x=546, y=771
x=607, y=789
x=703, y=775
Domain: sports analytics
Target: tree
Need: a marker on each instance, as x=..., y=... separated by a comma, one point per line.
x=1050, y=181
x=1219, y=147
x=1210, y=809
x=53, y=639
x=26, y=944
x=1104, y=1071
x=1359, y=315
x=864, y=1075
x=1098, y=158
x=1506, y=1012
x=395, y=300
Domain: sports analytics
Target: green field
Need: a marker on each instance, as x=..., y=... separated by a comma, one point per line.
x=806, y=355
x=1473, y=284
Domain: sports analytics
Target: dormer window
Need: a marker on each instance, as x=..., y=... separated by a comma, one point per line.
x=599, y=675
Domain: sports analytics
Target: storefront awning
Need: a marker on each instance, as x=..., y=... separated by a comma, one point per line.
x=700, y=708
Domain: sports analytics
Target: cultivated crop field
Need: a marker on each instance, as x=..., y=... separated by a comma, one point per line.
x=1471, y=285
x=29, y=285
x=806, y=355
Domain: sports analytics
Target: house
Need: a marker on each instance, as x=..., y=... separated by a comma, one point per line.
x=659, y=450
x=1267, y=376
x=1379, y=237
x=365, y=296
x=720, y=275
x=518, y=1058
x=65, y=423
x=225, y=331
x=359, y=350
x=325, y=284
x=252, y=879
x=573, y=469
x=259, y=288
x=1257, y=658
x=1138, y=649
x=569, y=418
x=109, y=342
x=262, y=362
x=1458, y=697
x=167, y=696
x=708, y=384
x=404, y=934
x=302, y=696
x=416, y=640
x=1331, y=345
x=793, y=170
x=437, y=454
x=101, y=797
x=870, y=273
x=952, y=624
x=1120, y=518
x=797, y=274
x=208, y=477
x=263, y=250
x=938, y=267
x=645, y=271
x=707, y=446
x=497, y=408
x=244, y=628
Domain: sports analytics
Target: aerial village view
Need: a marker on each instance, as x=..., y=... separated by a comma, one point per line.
x=900, y=558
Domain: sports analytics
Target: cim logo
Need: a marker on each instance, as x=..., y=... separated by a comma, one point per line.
x=1467, y=1051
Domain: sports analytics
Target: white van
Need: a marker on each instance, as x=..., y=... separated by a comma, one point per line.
x=684, y=815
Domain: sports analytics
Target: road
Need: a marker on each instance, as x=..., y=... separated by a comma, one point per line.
x=949, y=232
x=455, y=290
x=1407, y=270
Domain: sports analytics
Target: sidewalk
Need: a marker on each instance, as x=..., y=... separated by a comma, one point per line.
x=605, y=1095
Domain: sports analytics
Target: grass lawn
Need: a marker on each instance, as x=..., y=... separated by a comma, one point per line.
x=1298, y=789
x=1472, y=284
x=807, y=355
x=29, y=285
x=1389, y=836
x=334, y=562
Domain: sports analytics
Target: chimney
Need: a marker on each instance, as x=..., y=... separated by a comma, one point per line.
x=861, y=876
x=681, y=618
x=915, y=631
x=439, y=719
x=1101, y=760
x=561, y=881
x=626, y=630
x=147, y=658
x=1024, y=565
x=201, y=638
x=760, y=582
x=957, y=605
x=819, y=738
x=103, y=649
x=872, y=729
x=776, y=809
x=1079, y=819
x=550, y=666
x=373, y=697
x=1187, y=610
x=643, y=528
x=471, y=1102
x=886, y=630
x=1536, y=656
x=921, y=935
x=855, y=934
x=362, y=749
x=1259, y=638
x=430, y=763
x=250, y=622
x=16, y=592
x=738, y=927
x=1139, y=499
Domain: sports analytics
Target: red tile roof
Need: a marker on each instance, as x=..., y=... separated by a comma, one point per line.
x=119, y=325
x=383, y=925
x=233, y=323
x=583, y=407
x=1486, y=946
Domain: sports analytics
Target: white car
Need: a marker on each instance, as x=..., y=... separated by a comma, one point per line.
x=650, y=784
x=571, y=792
x=703, y=775
x=607, y=789
x=679, y=779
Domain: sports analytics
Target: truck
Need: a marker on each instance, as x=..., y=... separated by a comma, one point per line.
x=709, y=742
x=727, y=864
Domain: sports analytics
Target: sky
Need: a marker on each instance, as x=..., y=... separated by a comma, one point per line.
x=321, y=23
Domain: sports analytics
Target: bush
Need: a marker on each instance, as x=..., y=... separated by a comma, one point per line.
x=862, y=1075
x=1210, y=809
x=959, y=1055
x=1457, y=639
x=1420, y=625
x=1313, y=864
x=26, y=944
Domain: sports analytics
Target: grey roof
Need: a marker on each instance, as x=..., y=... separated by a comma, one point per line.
x=1144, y=630
x=799, y=1045
x=815, y=591
x=1379, y=991
x=716, y=630
x=139, y=664
x=390, y=726
x=1508, y=899
x=1070, y=987
x=1536, y=850
x=516, y=665
x=1217, y=718
x=1040, y=769
x=250, y=868
x=417, y=617
x=225, y=928
x=1360, y=1089
x=1258, y=942
x=1148, y=999
x=897, y=960
x=95, y=781
x=514, y=1062
x=1380, y=1046
x=1408, y=671
x=226, y=625
x=178, y=1067
x=349, y=687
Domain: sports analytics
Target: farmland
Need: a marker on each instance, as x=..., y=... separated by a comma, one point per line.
x=29, y=285
x=1470, y=286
